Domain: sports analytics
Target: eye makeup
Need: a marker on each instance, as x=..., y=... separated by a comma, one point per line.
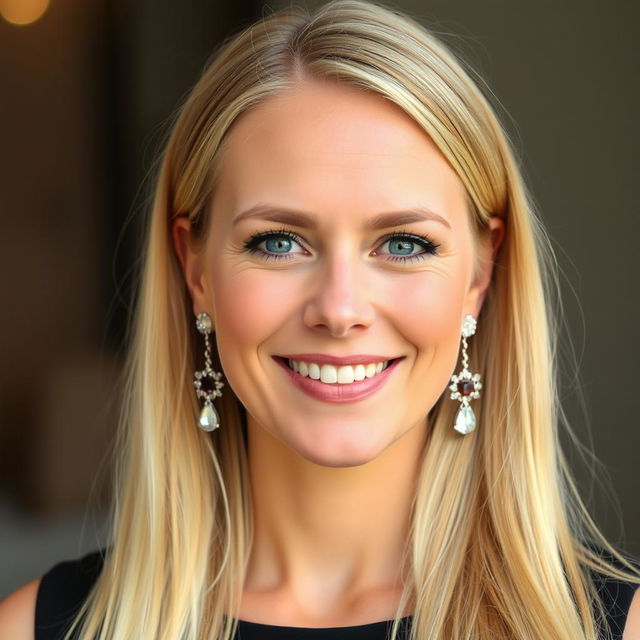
x=400, y=237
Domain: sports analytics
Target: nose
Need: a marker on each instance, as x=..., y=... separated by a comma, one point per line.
x=340, y=300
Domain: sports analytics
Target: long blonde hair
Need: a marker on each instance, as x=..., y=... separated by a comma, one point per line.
x=501, y=545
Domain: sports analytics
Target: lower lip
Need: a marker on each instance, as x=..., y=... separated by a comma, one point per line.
x=340, y=393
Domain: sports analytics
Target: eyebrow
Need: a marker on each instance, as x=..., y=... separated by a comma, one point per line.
x=309, y=221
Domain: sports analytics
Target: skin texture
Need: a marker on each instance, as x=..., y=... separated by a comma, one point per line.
x=332, y=483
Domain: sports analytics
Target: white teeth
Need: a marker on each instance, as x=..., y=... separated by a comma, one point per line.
x=329, y=374
x=346, y=375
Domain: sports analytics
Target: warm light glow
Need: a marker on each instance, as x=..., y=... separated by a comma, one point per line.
x=22, y=11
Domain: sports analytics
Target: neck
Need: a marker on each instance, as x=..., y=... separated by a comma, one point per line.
x=329, y=539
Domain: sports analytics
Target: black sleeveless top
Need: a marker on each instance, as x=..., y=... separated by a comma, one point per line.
x=64, y=587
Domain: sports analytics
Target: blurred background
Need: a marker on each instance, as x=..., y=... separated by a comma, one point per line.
x=87, y=88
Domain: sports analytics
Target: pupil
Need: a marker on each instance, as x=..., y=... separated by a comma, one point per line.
x=403, y=246
x=278, y=245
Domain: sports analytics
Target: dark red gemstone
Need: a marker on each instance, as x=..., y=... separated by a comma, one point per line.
x=466, y=387
x=206, y=384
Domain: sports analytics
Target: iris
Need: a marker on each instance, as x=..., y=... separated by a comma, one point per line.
x=404, y=246
x=278, y=244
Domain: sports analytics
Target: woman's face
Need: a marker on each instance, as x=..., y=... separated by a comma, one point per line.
x=338, y=230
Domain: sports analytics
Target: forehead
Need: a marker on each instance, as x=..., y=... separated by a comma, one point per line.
x=329, y=147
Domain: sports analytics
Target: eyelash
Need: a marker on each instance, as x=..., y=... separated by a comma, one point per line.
x=251, y=245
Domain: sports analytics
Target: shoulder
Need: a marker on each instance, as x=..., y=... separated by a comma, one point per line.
x=42, y=608
x=17, y=612
x=621, y=599
x=622, y=605
x=632, y=628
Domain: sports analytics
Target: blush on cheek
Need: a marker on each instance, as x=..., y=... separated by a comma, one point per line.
x=251, y=306
x=433, y=308
x=248, y=309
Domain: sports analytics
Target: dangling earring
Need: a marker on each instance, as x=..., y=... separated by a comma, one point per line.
x=465, y=386
x=207, y=381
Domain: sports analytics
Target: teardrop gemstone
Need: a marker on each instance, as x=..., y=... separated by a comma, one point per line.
x=465, y=419
x=209, y=420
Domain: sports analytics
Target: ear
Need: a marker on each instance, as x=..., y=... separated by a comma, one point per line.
x=485, y=261
x=192, y=265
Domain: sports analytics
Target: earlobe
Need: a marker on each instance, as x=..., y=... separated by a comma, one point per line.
x=191, y=262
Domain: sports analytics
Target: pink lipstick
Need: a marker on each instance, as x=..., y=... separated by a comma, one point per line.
x=336, y=392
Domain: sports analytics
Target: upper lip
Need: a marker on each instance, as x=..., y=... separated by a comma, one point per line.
x=321, y=358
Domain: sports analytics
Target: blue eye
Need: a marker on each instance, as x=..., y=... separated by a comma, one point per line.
x=405, y=243
x=276, y=244
x=403, y=246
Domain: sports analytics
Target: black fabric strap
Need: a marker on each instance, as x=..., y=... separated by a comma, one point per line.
x=61, y=593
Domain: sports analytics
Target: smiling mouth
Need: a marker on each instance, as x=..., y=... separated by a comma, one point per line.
x=332, y=374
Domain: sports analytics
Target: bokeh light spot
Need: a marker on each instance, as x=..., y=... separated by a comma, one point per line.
x=22, y=12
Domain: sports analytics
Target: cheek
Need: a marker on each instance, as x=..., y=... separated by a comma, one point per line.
x=249, y=306
x=431, y=309
x=433, y=306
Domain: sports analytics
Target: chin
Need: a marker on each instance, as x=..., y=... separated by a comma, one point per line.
x=337, y=461
x=339, y=454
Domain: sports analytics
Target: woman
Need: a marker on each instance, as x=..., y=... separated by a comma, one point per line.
x=342, y=416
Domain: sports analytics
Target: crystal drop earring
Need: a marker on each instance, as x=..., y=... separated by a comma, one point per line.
x=465, y=386
x=207, y=381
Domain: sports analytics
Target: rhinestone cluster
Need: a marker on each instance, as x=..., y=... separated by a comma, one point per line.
x=469, y=325
x=465, y=386
x=208, y=384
